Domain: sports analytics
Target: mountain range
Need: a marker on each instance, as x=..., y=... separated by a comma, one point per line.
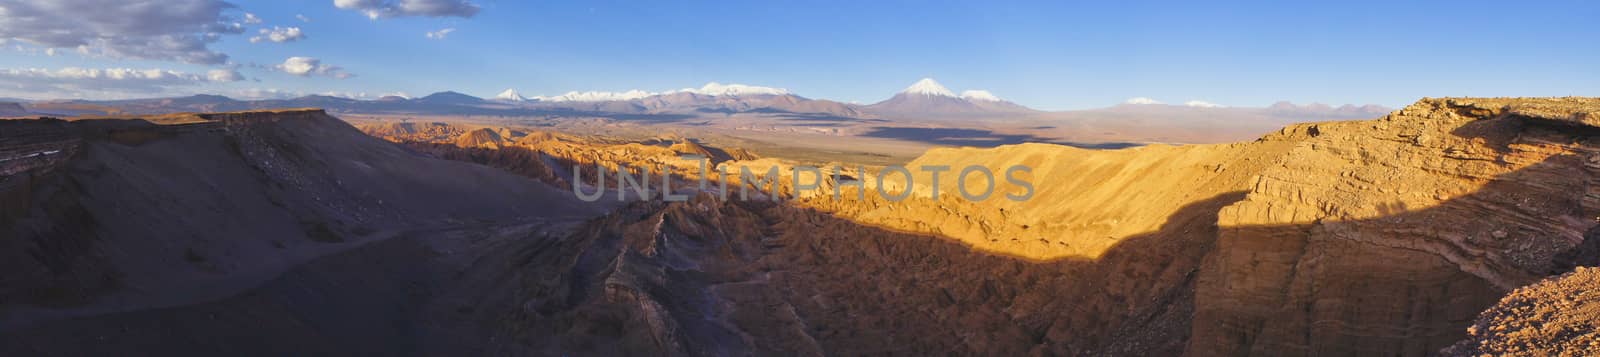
x=924, y=99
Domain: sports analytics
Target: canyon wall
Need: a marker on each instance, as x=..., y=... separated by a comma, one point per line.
x=1381, y=236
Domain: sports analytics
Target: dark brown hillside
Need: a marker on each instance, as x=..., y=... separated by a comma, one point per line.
x=113, y=215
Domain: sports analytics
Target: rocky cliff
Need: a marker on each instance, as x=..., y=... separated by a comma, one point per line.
x=1381, y=236
x=1387, y=236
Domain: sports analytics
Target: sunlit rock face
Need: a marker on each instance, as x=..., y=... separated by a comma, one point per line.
x=1411, y=223
x=1374, y=237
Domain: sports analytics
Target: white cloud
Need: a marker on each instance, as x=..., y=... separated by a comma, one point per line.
x=376, y=9
x=279, y=35
x=715, y=88
x=307, y=66
x=1141, y=101
x=251, y=19
x=346, y=95
x=265, y=93
x=107, y=82
x=439, y=35
x=169, y=30
x=302, y=18
x=1202, y=104
x=120, y=74
x=224, y=75
x=274, y=93
x=982, y=95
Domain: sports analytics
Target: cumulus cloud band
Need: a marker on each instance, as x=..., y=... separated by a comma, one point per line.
x=118, y=82
x=168, y=30
x=377, y=9
x=279, y=35
x=308, y=66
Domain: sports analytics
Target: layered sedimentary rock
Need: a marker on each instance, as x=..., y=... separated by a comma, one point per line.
x=1383, y=236
x=1387, y=236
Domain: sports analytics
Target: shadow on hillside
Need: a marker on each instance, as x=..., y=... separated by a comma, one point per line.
x=1406, y=283
x=1189, y=287
x=1233, y=290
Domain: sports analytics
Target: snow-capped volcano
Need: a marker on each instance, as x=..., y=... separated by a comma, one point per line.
x=928, y=86
x=927, y=98
x=510, y=95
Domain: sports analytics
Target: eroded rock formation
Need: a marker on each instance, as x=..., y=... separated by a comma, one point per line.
x=1384, y=236
x=1376, y=237
x=1556, y=317
x=1364, y=237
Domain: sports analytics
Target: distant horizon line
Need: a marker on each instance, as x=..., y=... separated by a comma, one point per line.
x=1130, y=102
x=924, y=86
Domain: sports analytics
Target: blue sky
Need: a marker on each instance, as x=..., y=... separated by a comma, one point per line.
x=1048, y=55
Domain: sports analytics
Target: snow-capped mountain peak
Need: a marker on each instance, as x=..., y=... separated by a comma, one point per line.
x=927, y=86
x=711, y=89
x=510, y=95
x=980, y=95
x=719, y=89
x=596, y=96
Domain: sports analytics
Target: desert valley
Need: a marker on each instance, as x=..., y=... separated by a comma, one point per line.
x=212, y=232
x=816, y=178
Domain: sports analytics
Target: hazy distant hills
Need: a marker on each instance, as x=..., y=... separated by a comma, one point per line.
x=692, y=103
x=12, y=109
x=450, y=102
x=1314, y=111
x=449, y=98
x=1324, y=110
x=925, y=103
